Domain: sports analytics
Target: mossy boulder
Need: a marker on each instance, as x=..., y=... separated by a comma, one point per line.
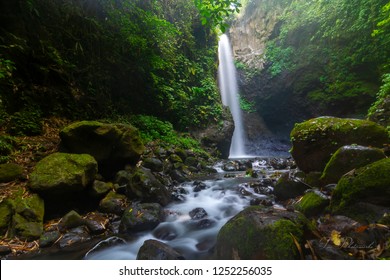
x=261, y=233
x=10, y=172
x=71, y=220
x=143, y=185
x=113, y=203
x=63, y=174
x=314, y=141
x=27, y=219
x=347, y=158
x=112, y=145
x=312, y=204
x=141, y=217
x=5, y=216
x=365, y=186
x=288, y=187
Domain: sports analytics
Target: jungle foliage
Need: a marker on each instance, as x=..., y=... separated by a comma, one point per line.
x=337, y=50
x=88, y=59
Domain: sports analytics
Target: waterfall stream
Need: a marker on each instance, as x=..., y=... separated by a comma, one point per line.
x=229, y=94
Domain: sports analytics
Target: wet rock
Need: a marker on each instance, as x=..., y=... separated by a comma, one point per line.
x=230, y=166
x=314, y=141
x=60, y=174
x=178, y=176
x=367, y=185
x=75, y=235
x=199, y=186
x=70, y=220
x=244, y=165
x=10, y=172
x=113, y=203
x=267, y=235
x=5, y=250
x=156, y=250
x=261, y=201
x=100, y=189
x=96, y=223
x=325, y=250
x=142, y=184
x=154, y=164
x=178, y=193
x=140, y=217
x=165, y=232
x=338, y=223
x=347, y=158
x=204, y=224
x=312, y=204
x=49, y=238
x=198, y=213
x=181, y=153
x=105, y=244
x=279, y=163
x=112, y=145
x=289, y=187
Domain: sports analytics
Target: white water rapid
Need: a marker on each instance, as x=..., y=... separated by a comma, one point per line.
x=229, y=94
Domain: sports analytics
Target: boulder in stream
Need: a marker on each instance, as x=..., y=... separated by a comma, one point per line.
x=141, y=217
x=156, y=250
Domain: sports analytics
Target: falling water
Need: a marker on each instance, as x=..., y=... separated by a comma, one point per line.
x=229, y=95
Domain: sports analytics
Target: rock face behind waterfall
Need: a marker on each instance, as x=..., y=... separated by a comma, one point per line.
x=314, y=141
x=218, y=137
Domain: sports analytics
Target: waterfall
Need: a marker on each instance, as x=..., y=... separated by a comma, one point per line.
x=229, y=94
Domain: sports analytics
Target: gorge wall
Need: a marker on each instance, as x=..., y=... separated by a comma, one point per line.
x=291, y=69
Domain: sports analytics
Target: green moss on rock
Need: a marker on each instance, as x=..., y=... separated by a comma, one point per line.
x=312, y=204
x=5, y=216
x=314, y=141
x=369, y=184
x=107, y=143
x=62, y=173
x=347, y=158
x=10, y=172
x=258, y=233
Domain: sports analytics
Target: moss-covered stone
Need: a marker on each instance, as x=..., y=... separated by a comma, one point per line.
x=347, y=158
x=71, y=220
x=27, y=221
x=143, y=185
x=100, y=189
x=10, y=172
x=289, y=187
x=312, y=204
x=141, y=217
x=62, y=173
x=112, y=145
x=315, y=140
x=113, y=203
x=369, y=184
x=5, y=216
x=258, y=233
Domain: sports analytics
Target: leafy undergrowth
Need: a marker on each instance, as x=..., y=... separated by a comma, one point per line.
x=26, y=151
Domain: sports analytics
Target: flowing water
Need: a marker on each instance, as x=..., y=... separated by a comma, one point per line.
x=229, y=94
x=221, y=198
